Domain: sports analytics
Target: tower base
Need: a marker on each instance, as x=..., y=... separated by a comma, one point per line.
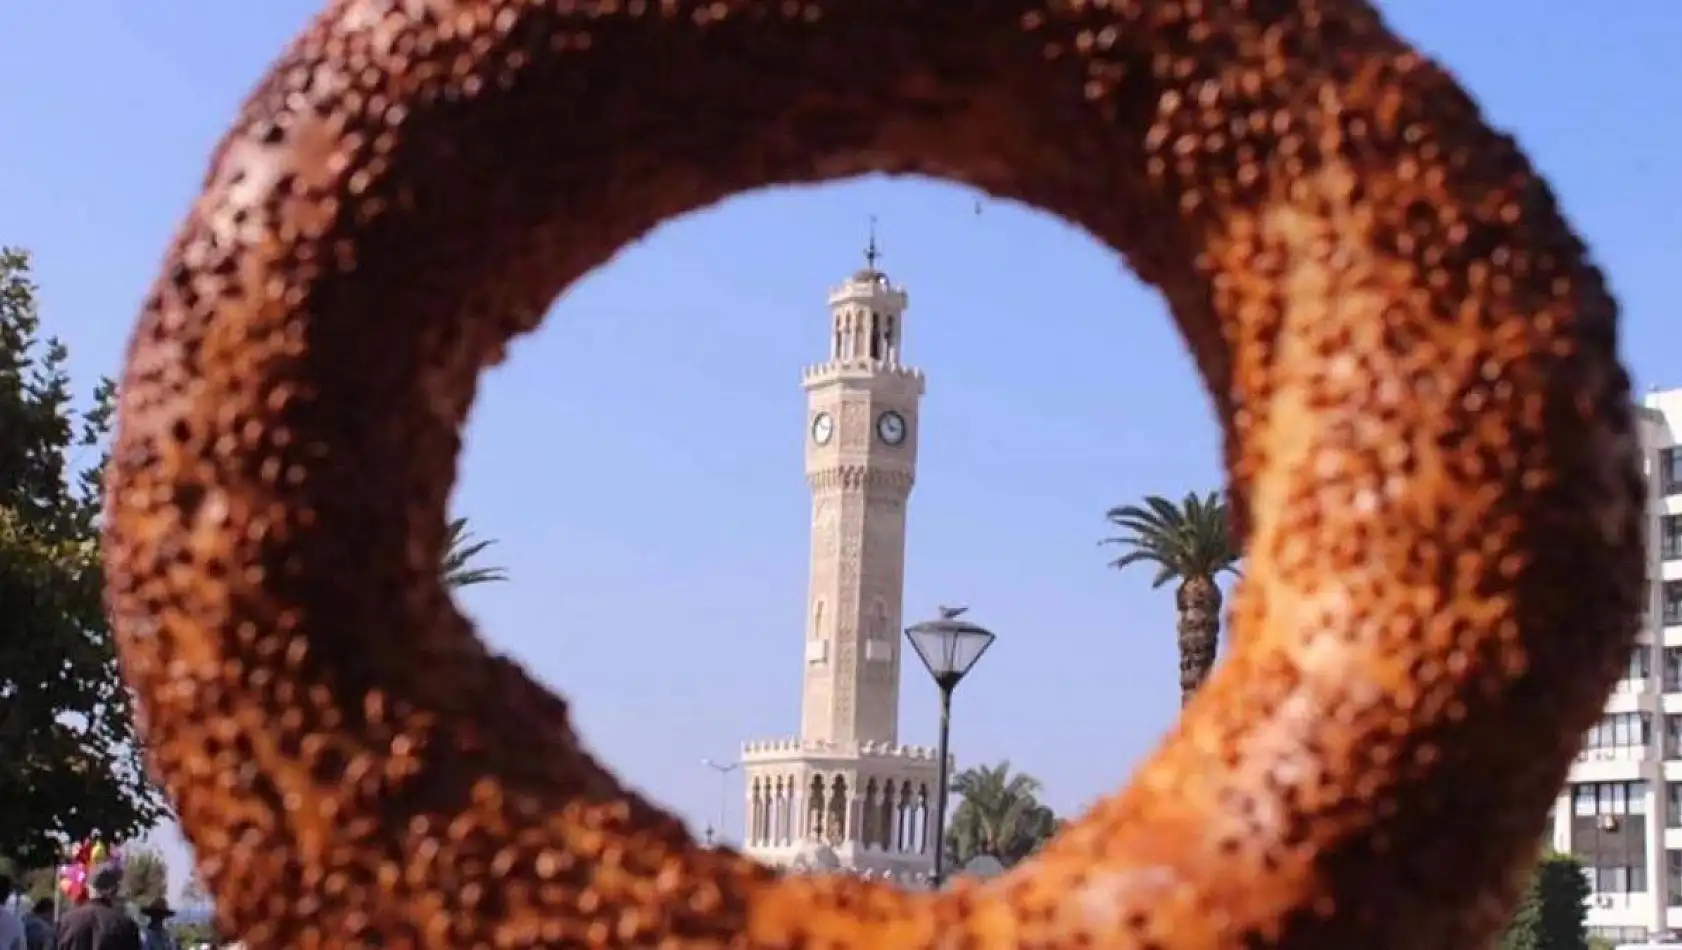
x=864, y=808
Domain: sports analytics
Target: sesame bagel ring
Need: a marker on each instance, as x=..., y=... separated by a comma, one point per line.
x=1429, y=441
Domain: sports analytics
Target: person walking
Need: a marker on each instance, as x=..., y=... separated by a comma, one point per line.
x=11, y=928
x=38, y=928
x=156, y=936
x=99, y=924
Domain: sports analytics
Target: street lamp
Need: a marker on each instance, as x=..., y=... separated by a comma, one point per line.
x=949, y=647
x=723, y=769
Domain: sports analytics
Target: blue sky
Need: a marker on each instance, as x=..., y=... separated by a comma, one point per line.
x=639, y=458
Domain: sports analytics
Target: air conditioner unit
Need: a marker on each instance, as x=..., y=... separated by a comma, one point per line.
x=1608, y=822
x=1602, y=900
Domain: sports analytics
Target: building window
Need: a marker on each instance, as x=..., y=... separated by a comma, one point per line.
x=1670, y=471
x=1640, y=663
x=1608, y=835
x=1609, y=798
x=1582, y=799
x=1673, y=669
x=1621, y=879
x=1670, y=537
x=1672, y=605
x=1673, y=736
x=1620, y=731
x=1673, y=877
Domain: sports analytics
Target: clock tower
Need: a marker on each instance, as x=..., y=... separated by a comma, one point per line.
x=861, y=460
x=845, y=794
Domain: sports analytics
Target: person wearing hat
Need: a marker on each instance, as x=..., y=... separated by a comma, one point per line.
x=156, y=936
x=99, y=924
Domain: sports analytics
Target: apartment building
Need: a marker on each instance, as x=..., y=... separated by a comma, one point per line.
x=1621, y=810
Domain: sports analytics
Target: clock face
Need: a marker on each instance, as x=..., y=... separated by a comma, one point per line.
x=823, y=428
x=890, y=426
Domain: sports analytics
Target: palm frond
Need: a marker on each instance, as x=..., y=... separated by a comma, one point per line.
x=461, y=548
x=1164, y=574
x=1166, y=513
x=1134, y=557
x=1188, y=539
x=477, y=575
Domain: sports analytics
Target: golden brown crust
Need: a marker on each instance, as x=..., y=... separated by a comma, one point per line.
x=1428, y=435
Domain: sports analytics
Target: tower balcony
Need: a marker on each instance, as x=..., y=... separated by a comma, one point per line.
x=817, y=750
x=862, y=370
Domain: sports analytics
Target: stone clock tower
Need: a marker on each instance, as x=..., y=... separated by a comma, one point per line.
x=845, y=794
x=861, y=459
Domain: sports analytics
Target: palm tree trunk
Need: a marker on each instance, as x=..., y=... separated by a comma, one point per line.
x=1199, y=603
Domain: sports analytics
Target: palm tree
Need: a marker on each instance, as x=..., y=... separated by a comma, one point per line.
x=460, y=548
x=1000, y=815
x=1190, y=543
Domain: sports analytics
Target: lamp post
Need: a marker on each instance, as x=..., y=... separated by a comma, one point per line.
x=723, y=769
x=949, y=647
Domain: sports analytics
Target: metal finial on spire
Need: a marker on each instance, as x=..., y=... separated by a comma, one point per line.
x=871, y=252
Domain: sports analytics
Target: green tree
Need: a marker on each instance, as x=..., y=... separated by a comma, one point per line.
x=1000, y=815
x=1189, y=543
x=72, y=764
x=1553, y=912
x=145, y=876
x=460, y=550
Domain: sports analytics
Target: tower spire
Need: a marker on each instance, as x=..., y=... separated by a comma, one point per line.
x=871, y=252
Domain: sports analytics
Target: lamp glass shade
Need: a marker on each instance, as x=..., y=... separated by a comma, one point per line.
x=949, y=648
